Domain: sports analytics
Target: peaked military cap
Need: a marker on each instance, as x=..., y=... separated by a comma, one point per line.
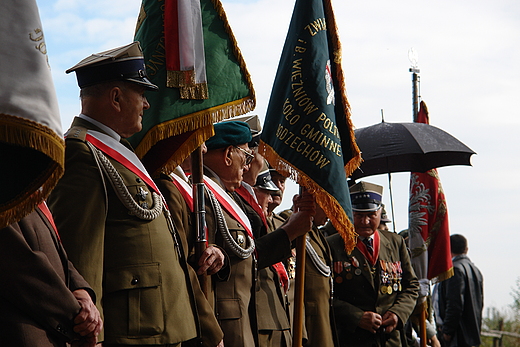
x=124, y=63
x=264, y=181
x=229, y=133
x=366, y=197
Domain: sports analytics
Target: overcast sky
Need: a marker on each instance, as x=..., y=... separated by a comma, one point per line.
x=469, y=60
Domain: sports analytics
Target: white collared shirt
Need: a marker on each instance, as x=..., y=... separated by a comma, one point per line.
x=102, y=126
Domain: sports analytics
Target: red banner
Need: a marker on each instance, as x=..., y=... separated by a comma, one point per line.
x=429, y=227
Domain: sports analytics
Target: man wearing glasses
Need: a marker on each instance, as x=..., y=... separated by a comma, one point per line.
x=229, y=227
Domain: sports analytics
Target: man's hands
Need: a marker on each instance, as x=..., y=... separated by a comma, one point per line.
x=300, y=222
x=211, y=260
x=390, y=321
x=87, y=322
x=372, y=321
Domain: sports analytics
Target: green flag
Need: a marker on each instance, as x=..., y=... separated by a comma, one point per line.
x=191, y=54
x=308, y=133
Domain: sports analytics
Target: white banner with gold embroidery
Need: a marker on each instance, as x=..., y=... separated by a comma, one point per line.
x=31, y=143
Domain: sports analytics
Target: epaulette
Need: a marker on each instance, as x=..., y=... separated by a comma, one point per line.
x=77, y=133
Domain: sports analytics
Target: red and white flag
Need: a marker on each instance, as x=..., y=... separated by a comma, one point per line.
x=429, y=235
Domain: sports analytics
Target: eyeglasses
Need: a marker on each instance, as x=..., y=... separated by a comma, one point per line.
x=249, y=156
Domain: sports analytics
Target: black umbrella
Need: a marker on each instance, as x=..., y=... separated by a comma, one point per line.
x=407, y=147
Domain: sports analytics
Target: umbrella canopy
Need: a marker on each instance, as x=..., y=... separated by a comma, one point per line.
x=407, y=147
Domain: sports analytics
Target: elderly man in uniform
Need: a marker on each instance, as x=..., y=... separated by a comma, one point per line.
x=114, y=223
x=228, y=226
x=375, y=287
x=178, y=193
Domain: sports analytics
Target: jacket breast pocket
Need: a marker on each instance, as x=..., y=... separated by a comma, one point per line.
x=133, y=300
x=229, y=309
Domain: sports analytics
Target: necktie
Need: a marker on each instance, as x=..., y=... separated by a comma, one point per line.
x=368, y=242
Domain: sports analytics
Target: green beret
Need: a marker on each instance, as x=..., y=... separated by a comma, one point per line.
x=232, y=133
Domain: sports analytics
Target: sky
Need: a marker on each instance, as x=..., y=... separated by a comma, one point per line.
x=469, y=78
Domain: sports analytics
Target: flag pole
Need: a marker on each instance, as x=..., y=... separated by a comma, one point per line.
x=299, y=291
x=199, y=211
x=412, y=55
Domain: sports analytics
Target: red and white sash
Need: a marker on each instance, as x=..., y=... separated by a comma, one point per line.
x=184, y=188
x=117, y=151
x=229, y=205
x=250, y=199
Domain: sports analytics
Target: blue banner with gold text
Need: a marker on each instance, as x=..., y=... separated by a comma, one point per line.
x=308, y=133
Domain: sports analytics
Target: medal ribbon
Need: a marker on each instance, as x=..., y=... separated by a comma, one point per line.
x=372, y=258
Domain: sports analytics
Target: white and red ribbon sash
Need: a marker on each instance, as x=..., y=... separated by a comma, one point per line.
x=250, y=199
x=184, y=188
x=117, y=151
x=43, y=207
x=229, y=205
x=372, y=258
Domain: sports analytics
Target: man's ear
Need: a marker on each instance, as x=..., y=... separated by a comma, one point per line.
x=115, y=98
x=228, y=158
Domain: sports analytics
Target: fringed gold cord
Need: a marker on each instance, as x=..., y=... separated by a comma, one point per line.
x=186, y=148
x=238, y=54
x=196, y=92
x=327, y=202
x=193, y=122
x=356, y=160
x=180, y=79
x=443, y=276
x=27, y=133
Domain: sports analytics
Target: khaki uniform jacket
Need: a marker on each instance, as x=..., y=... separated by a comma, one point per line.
x=357, y=293
x=235, y=297
x=134, y=265
x=272, y=318
x=318, y=295
x=211, y=334
x=36, y=301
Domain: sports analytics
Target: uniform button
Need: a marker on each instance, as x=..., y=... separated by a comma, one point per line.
x=134, y=281
x=138, y=180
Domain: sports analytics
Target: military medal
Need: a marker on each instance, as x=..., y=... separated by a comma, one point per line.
x=358, y=272
x=348, y=276
x=355, y=262
x=141, y=194
x=339, y=279
x=383, y=289
x=389, y=290
x=241, y=240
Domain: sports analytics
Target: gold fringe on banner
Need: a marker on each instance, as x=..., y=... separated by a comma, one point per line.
x=327, y=202
x=193, y=122
x=198, y=91
x=188, y=88
x=29, y=134
x=178, y=79
x=354, y=163
x=184, y=151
